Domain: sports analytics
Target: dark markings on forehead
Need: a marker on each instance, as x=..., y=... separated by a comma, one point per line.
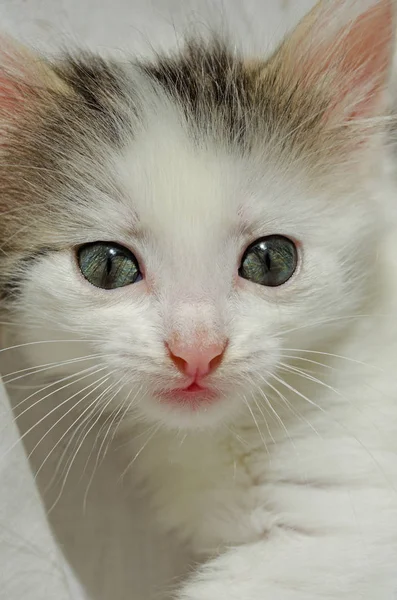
x=239, y=101
x=211, y=85
x=100, y=91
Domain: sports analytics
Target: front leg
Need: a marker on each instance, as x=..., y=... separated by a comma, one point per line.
x=296, y=566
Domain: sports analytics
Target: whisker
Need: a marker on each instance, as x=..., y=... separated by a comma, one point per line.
x=256, y=424
x=80, y=441
x=114, y=415
x=154, y=430
x=309, y=377
x=328, y=320
x=71, y=459
x=237, y=436
x=263, y=416
x=46, y=367
x=308, y=360
x=83, y=417
x=110, y=417
x=341, y=425
x=38, y=342
x=291, y=407
x=101, y=381
x=19, y=440
x=295, y=371
x=128, y=407
x=87, y=373
x=347, y=358
x=297, y=392
x=101, y=413
x=42, y=389
x=273, y=410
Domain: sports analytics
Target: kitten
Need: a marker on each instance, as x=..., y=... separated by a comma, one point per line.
x=201, y=250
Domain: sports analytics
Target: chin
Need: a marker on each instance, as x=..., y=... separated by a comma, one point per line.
x=191, y=411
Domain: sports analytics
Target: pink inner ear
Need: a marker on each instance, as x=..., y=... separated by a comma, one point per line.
x=10, y=94
x=19, y=72
x=367, y=59
x=357, y=57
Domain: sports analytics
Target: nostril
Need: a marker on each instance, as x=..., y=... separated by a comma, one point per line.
x=180, y=363
x=216, y=361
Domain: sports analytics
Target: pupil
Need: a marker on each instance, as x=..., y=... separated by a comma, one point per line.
x=108, y=265
x=268, y=261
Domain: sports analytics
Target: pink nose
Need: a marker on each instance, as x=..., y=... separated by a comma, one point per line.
x=195, y=359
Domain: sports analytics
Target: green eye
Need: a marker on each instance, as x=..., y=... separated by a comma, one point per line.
x=270, y=261
x=107, y=265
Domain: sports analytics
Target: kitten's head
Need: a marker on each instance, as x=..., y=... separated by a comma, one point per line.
x=191, y=223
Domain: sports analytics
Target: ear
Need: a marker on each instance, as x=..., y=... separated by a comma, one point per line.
x=343, y=49
x=23, y=77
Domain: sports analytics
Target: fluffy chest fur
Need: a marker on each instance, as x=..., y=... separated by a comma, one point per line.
x=266, y=474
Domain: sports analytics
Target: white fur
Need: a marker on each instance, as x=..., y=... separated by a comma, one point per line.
x=290, y=476
x=307, y=501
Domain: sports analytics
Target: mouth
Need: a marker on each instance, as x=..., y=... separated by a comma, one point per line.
x=193, y=396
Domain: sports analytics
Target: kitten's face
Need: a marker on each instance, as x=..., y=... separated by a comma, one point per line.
x=193, y=236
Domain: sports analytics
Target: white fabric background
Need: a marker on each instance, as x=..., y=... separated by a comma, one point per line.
x=31, y=565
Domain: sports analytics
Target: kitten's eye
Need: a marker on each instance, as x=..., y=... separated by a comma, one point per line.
x=270, y=261
x=107, y=265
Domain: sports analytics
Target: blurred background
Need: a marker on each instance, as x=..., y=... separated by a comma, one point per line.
x=137, y=25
